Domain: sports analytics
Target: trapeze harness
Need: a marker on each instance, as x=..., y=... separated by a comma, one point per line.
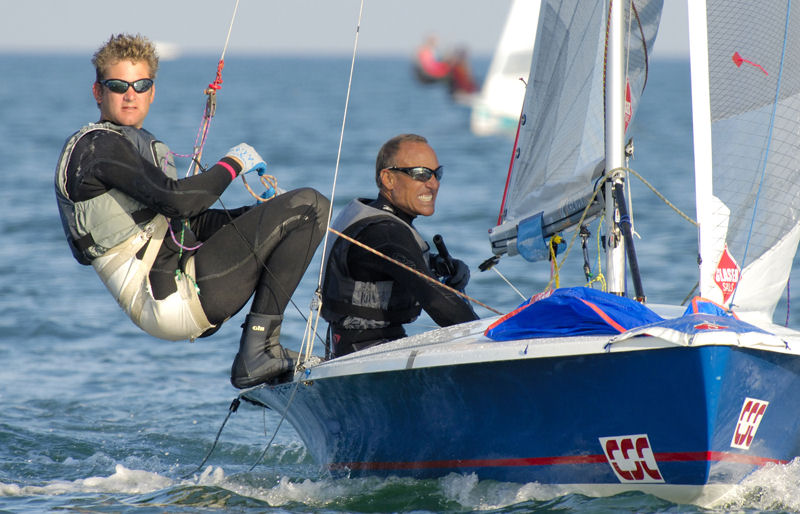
x=108, y=231
x=353, y=304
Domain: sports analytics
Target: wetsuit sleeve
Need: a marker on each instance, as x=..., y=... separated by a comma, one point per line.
x=395, y=241
x=108, y=161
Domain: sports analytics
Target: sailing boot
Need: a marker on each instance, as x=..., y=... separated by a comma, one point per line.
x=261, y=358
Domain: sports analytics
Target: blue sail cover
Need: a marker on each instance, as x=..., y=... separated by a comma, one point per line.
x=575, y=311
x=700, y=305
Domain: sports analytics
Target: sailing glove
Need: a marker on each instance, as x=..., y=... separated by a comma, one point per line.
x=249, y=158
x=460, y=277
x=441, y=266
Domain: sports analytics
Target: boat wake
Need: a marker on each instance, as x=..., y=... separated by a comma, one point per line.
x=772, y=488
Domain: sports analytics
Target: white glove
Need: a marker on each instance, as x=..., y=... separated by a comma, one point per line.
x=247, y=156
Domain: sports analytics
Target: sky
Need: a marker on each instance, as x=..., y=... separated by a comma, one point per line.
x=277, y=27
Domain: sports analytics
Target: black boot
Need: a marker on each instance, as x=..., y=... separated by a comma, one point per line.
x=261, y=358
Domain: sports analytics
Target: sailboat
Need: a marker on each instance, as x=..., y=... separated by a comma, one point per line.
x=596, y=391
x=496, y=108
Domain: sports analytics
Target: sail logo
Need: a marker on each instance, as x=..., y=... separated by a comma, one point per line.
x=631, y=458
x=726, y=276
x=749, y=418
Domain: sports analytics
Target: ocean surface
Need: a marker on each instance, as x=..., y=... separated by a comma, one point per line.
x=97, y=416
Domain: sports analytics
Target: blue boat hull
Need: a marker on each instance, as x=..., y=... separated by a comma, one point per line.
x=656, y=416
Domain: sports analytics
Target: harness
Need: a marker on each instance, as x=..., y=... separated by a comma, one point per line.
x=109, y=230
x=356, y=304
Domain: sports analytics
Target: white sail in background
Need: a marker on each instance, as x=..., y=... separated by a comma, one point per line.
x=561, y=150
x=747, y=162
x=496, y=110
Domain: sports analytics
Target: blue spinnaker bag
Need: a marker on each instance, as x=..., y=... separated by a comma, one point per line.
x=574, y=311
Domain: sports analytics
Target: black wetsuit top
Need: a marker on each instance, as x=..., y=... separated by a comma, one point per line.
x=396, y=241
x=104, y=160
x=263, y=248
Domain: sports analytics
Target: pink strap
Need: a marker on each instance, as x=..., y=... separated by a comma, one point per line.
x=229, y=168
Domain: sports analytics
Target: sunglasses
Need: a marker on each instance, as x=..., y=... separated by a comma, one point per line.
x=421, y=173
x=121, y=86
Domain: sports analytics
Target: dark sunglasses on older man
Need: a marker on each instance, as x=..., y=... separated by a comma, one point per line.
x=421, y=173
x=121, y=86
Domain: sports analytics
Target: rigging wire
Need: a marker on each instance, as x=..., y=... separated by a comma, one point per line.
x=315, y=307
x=491, y=264
x=280, y=422
x=313, y=319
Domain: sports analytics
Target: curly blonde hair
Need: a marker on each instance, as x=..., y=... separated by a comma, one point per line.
x=125, y=47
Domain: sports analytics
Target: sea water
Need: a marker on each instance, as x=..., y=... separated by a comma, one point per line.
x=96, y=416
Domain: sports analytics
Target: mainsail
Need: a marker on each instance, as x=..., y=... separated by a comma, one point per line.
x=746, y=163
x=561, y=150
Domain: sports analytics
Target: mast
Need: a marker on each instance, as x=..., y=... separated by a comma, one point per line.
x=614, y=145
x=701, y=133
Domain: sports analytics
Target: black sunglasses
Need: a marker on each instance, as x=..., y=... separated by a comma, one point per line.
x=421, y=173
x=121, y=86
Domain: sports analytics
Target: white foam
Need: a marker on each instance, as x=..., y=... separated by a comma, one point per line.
x=469, y=492
x=773, y=487
x=123, y=480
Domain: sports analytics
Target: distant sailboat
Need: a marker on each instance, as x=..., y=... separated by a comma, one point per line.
x=167, y=51
x=496, y=109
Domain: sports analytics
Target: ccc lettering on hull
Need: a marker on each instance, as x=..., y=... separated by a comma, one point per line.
x=631, y=457
x=746, y=426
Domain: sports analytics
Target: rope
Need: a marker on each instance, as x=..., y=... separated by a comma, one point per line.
x=269, y=182
x=233, y=408
x=554, y=267
x=661, y=196
x=412, y=270
x=211, y=102
x=598, y=277
x=575, y=235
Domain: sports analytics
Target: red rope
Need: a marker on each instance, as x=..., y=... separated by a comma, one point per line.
x=217, y=84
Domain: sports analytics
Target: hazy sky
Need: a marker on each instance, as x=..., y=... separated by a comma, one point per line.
x=271, y=26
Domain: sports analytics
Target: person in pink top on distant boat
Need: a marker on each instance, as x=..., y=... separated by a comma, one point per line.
x=428, y=67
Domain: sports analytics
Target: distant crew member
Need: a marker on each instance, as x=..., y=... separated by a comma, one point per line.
x=428, y=68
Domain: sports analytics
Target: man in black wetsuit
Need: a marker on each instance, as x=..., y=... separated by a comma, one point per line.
x=178, y=268
x=367, y=299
